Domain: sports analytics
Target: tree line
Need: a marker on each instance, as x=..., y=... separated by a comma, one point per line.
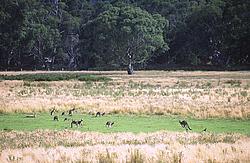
x=115, y=34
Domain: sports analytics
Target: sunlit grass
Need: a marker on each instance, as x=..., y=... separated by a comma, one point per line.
x=197, y=94
x=73, y=146
x=123, y=123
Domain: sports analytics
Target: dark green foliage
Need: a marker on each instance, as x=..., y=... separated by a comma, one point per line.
x=81, y=34
x=55, y=77
x=122, y=33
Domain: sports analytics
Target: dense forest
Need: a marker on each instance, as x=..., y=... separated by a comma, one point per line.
x=115, y=34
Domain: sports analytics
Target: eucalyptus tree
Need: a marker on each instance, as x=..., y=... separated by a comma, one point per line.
x=236, y=32
x=125, y=35
x=11, y=21
x=41, y=31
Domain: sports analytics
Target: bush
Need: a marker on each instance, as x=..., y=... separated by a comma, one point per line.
x=55, y=77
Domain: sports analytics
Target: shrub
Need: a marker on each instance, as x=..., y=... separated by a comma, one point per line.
x=55, y=77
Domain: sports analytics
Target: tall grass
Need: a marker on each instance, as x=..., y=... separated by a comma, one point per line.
x=73, y=146
x=193, y=94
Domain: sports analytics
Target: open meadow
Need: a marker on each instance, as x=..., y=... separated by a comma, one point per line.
x=145, y=107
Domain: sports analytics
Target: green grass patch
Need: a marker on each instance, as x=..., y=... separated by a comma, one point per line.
x=123, y=123
x=55, y=77
x=235, y=83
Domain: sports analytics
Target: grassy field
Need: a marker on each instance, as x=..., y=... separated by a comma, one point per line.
x=75, y=146
x=193, y=94
x=123, y=123
x=145, y=107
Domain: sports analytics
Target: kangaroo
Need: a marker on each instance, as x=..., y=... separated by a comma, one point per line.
x=185, y=125
x=71, y=111
x=63, y=113
x=99, y=114
x=31, y=115
x=56, y=118
x=109, y=124
x=53, y=111
x=77, y=123
x=205, y=129
x=65, y=119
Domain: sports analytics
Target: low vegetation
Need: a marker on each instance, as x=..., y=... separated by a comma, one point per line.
x=73, y=146
x=54, y=77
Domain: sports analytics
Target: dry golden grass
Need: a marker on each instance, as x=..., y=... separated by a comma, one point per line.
x=74, y=146
x=198, y=94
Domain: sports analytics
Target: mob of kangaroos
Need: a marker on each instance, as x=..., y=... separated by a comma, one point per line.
x=184, y=124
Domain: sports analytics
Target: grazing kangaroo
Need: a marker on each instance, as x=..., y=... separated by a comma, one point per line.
x=31, y=115
x=99, y=114
x=56, y=118
x=77, y=123
x=185, y=125
x=109, y=124
x=53, y=111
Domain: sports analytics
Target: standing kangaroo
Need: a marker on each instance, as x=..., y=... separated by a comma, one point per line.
x=52, y=111
x=185, y=125
x=71, y=111
x=56, y=118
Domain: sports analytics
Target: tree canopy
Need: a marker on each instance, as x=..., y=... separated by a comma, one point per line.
x=122, y=33
x=111, y=34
